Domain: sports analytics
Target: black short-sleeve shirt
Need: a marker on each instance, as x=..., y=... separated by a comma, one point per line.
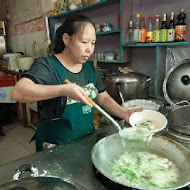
x=43, y=72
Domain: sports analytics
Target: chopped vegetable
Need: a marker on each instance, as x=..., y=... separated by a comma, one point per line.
x=144, y=170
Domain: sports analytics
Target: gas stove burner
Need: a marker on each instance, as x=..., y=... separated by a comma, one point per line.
x=110, y=185
x=180, y=137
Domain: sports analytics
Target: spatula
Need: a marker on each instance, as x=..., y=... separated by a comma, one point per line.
x=99, y=109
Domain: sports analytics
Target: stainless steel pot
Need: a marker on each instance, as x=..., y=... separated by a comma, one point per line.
x=109, y=147
x=131, y=85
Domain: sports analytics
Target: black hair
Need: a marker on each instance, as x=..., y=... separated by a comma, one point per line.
x=71, y=26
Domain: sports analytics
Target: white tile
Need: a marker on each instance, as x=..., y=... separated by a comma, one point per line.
x=15, y=144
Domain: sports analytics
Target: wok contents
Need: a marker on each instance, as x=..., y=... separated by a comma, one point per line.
x=132, y=133
x=144, y=170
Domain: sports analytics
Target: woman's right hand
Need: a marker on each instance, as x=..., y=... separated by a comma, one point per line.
x=76, y=92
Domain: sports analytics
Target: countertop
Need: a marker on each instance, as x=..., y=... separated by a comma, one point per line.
x=71, y=161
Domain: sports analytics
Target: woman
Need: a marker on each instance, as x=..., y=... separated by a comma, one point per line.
x=64, y=113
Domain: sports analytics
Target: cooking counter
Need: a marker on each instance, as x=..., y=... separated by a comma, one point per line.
x=71, y=161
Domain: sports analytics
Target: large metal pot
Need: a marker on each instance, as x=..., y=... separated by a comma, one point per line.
x=131, y=85
x=110, y=147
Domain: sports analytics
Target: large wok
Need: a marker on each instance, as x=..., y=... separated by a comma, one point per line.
x=109, y=147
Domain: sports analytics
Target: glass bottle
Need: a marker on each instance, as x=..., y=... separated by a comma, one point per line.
x=171, y=30
x=180, y=28
x=156, y=31
x=163, y=29
x=129, y=33
x=142, y=30
x=149, y=33
x=136, y=29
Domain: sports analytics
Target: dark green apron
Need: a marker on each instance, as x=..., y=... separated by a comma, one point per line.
x=77, y=118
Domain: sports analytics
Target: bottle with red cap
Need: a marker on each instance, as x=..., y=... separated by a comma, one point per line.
x=149, y=33
x=142, y=30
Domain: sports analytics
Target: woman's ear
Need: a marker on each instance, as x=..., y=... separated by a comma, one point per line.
x=66, y=39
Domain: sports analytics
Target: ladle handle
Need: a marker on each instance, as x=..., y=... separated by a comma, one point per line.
x=87, y=98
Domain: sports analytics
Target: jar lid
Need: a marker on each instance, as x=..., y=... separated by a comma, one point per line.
x=176, y=85
x=126, y=77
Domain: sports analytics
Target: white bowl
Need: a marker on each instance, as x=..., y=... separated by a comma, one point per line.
x=157, y=119
x=141, y=103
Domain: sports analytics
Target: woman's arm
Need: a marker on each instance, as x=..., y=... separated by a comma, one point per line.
x=26, y=90
x=112, y=107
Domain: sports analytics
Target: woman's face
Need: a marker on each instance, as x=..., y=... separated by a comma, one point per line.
x=82, y=46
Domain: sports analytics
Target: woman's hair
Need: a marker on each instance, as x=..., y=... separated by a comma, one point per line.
x=72, y=25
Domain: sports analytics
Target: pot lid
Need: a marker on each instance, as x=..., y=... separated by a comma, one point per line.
x=41, y=183
x=176, y=85
x=126, y=77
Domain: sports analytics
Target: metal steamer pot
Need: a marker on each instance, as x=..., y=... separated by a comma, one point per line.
x=131, y=85
x=176, y=88
x=36, y=182
x=111, y=146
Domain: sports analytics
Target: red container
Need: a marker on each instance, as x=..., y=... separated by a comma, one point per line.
x=7, y=81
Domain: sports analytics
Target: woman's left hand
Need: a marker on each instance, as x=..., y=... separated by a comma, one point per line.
x=127, y=113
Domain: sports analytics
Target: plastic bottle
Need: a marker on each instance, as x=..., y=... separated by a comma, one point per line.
x=156, y=31
x=171, y=30
x=180, y=28
x=136, y=29
x=149, y=33
x=129, y=33
x=163, y=29
x=142, y=30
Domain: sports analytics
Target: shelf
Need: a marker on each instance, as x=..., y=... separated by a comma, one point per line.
x=79, y=9
x=108, y=32
x=156, y=44
x=105, y=61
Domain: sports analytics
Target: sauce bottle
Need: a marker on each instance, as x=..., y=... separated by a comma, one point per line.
x=163, y=29
x=136, y=31
x=171, y=30
x=156, y=31
x=149, y=33
x=180, y=28
x=142, y=30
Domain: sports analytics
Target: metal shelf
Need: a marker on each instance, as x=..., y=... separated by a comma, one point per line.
x=78, y=9
x=108, y=32
x=156, y=44
x=105, y=61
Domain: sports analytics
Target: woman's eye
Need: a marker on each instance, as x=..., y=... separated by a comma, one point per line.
x=84, y=42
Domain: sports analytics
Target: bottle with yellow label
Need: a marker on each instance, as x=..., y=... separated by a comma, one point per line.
x=156, y=31
x=149, y=33
x=163, y=29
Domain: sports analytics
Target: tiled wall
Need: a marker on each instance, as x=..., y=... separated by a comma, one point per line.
x=27, y=26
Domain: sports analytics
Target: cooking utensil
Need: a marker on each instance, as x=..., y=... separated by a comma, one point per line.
x=99, y=109
x=38, y=182
x=108, y=148
x=132, y=85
